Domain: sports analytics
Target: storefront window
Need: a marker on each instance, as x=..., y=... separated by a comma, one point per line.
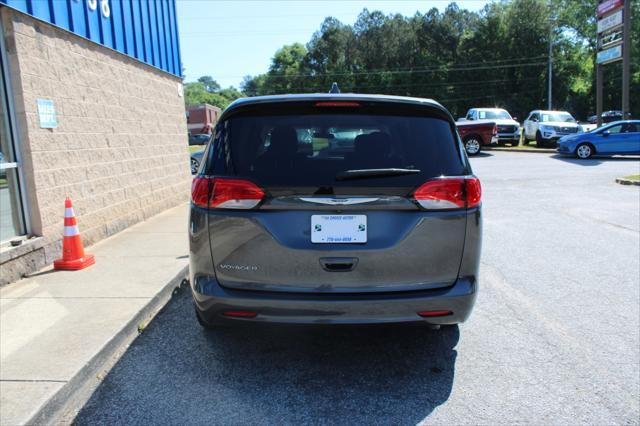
x=12, y=223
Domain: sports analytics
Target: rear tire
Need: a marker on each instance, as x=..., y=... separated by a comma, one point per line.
x=472, y=145
x=194, y=166
x=584, y=151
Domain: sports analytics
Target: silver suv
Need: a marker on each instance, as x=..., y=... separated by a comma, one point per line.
x=335, y=209
x=546, y=127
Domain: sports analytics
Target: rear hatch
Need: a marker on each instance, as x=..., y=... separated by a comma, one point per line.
x=335, y=196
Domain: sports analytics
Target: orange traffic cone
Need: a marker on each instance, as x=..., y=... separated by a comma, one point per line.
x=73, y=257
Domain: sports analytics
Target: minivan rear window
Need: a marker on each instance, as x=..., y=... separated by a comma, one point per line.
x=312, y=149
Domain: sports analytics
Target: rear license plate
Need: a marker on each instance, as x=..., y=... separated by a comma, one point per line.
x=338, y=228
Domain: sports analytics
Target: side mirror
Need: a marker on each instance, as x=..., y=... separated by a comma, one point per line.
x=606, y=133
x=515, y=118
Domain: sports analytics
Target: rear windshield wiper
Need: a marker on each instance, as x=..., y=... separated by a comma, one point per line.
x=374, y=173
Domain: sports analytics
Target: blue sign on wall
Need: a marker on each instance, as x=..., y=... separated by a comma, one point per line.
x=144, y=29
x=47, y=114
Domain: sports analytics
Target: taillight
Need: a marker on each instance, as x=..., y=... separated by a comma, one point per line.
x=240, y=314
x=495, y=129
x=200, y=191
x=235, y=194
x=442, y=313
x=449, y=193
x=222, y=193
x=337, y=104
x=474, y=192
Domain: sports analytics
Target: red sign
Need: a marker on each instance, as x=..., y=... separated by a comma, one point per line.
x=608, y=5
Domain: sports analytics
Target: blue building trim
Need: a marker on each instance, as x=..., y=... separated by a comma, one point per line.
x=127, y=28
x=173, y=24
x=146, y=30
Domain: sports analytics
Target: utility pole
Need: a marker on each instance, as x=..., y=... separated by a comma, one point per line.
x=550, y=76
x=599, y=95
x=626, y=60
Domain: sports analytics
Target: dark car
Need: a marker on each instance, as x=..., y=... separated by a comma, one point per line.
x=196, y=159
x=386, y=231
x=607, y=117
x=199, y=139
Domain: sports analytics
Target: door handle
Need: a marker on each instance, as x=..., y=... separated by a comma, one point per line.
x=338, y=264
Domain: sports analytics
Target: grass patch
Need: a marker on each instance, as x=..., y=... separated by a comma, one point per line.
x=531, y=145
x=320, y=144
x=632, y=177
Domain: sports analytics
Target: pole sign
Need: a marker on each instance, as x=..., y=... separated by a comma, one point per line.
x=609, y=22
x=609, y=55
x=610, y=39
x=614, y=44
x=608, y=6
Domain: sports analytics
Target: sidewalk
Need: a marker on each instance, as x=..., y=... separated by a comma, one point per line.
x=59, y=330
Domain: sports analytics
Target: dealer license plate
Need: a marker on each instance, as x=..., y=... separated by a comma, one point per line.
x=339, y=228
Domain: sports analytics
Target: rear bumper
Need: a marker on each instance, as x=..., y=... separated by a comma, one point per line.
x=212, y=300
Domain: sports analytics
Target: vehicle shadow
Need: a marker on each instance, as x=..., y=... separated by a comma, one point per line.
x=595, y=160
x=359, y=375
x=178, y=373
x=482, y=154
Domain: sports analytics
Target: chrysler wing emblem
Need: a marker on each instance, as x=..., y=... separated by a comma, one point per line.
x=339, y=201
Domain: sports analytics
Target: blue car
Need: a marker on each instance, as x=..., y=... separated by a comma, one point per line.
x=619, y=137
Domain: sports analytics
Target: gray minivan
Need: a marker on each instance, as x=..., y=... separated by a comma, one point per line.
x=334, y=209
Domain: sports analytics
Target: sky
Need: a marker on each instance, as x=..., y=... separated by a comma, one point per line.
x=230, y=39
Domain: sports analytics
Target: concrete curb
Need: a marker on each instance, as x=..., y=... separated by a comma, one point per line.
x=64, y=405
x=538, y=150
x=623, y=181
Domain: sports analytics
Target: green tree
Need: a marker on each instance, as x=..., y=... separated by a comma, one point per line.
x=250, y=86
x=495, y=57
x=331, y=56
x=196, y=93
x=209, y=83
x=286, y=73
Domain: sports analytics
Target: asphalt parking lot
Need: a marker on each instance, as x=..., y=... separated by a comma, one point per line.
x=554, y=338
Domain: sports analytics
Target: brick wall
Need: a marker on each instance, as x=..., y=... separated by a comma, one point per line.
x=120, y=148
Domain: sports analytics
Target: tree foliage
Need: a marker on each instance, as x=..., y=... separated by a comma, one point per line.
x=209, y=83
x=207, y=91
x=495, y=57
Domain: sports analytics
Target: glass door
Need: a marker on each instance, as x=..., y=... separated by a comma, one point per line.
x=12, y=218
